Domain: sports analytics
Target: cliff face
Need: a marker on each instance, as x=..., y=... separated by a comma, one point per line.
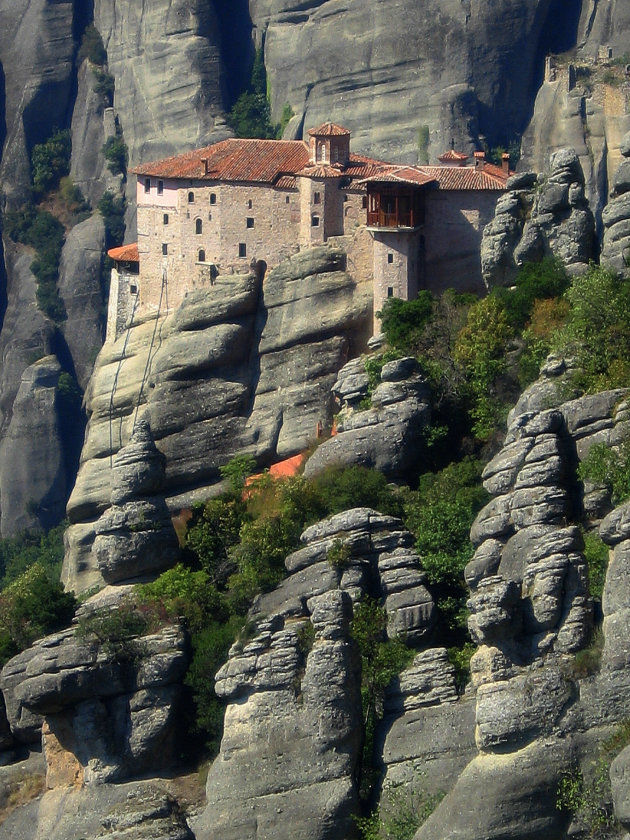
x=460, y=70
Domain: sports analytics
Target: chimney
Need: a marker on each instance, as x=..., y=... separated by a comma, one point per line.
x=505, y=163
x=480, y=160
x=205, y=165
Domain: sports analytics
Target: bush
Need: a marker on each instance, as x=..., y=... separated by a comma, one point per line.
x=31, y=607
x=92, y=46
x=534, y=281
x=112, y=209
x=481, y=348
x=609, y=467
x=104, y=85
x=598, y=330
x=50, y=161
x=548, y=317
x=17, y=554
x=403, y=321
x=404, y=808
x=116, y=155
x=596, y=556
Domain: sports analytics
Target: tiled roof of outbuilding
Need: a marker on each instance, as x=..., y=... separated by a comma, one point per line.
x=453, y=156
x=467, y=177
x=126, y=253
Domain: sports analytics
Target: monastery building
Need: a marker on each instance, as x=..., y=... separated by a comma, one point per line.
x=243, y=204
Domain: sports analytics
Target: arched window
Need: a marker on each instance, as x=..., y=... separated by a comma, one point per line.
x=198, y=226
x=213, y=198
x=201, y=256
x=191, y=197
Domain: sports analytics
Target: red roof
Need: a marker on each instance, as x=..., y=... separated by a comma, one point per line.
x=402, y=175
x=259, y=161
x=277, y=162
x=467, y=177
x=126, y=253
x=329, y=129
x=453, y=157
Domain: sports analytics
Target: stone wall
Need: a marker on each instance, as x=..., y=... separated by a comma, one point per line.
x=453, y=228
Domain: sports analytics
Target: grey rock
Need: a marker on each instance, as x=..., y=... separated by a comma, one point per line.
x=428, y=681
x=484, y=563
x=615, y=527
x=493, y=520
x=621, y=181
x=494, y=610
x=620, y=782
x=557, y=221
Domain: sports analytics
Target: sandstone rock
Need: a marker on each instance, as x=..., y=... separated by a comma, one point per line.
x=553, y=217
x=105, y=717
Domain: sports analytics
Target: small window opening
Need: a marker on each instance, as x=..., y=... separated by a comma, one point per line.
x=250, y=222
x=213, y=198
x=160, y=188
x=249, y=204
x=198, y=226
x=317, y=198
x=201, y=256
x=191, y=197
x=147, y=185
x=364, y=202
x=133, y=289
x=164, y=249
x=209, y=217
x=390, y=258
x=314, y=221
x=165, y=218
x=390, y=291
x=286, y=199
x=242, y=249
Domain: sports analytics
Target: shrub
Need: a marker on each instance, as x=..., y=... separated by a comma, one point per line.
x=374, y=365
x=586, y=662
x=19, y=553
x=534, y=281
x=51, y=160
x=30, y=607
x=548, y=317
x=104, y=84
x=116, y=631
x=73, y=198
x=250, y=115
x=480, y=348
x=598, y=330
x=212, y=531
x=381, y=660
x=402, y=321
x=596, y=556
x=92, y=46
x=609, y=467
x=112, y=209
x=347, y=487
x=403, y=809
x=116, y=155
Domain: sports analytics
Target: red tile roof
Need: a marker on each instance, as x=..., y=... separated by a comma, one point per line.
x=329, y=129
x=258, y=161
x=467, y=177
x=277, y=162
x=402, y=175
x=126, y=253
x=453, y=157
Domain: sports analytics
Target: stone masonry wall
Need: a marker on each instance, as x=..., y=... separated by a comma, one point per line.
x=453, y=228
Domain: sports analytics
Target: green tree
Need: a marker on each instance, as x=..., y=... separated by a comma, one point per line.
x=51, y=160
x=403, y=321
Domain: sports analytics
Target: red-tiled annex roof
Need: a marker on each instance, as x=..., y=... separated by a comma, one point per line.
x=126, y=253
x=467, y=177
x=401, y=175
x=329, y=129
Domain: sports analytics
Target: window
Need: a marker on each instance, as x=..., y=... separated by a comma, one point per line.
x=147, y=185
x=286, y=199
x=250, y=222
x=317, y=198
x=160, y=188
x=314, y=221
x=191, y=197
x=364, y=202
x=165, y=219
x=198, y=226
x=201, y=256
x=390, y=258
x=249, y=204
x=133, y=289
x=209, y=217
x=213, y=198
x=164, y=249
x=242, y=249
x=390, y=291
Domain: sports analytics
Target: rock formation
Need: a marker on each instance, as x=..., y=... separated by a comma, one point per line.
x=294, y=708
x=389, y=435
x=237, y=368
x=616, y=217
x=539, y=217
